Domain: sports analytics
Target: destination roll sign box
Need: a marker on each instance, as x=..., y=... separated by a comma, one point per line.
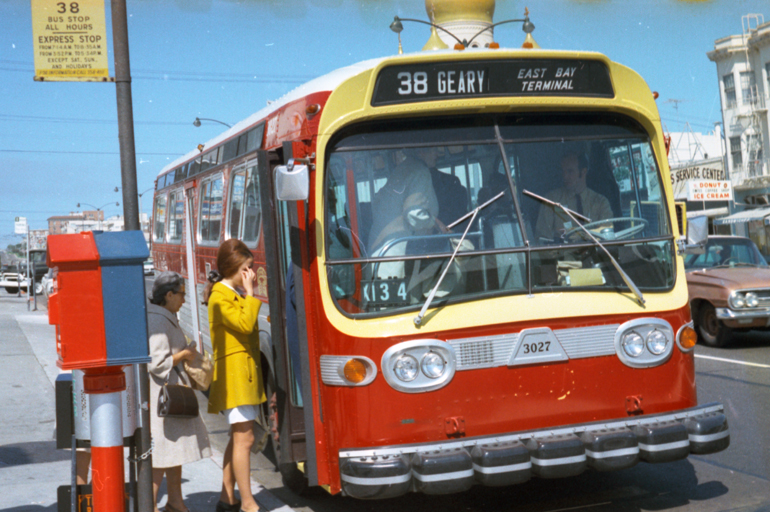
x=484, y=78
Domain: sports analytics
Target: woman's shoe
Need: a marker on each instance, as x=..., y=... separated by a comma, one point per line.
x=171, y=508
x=226, y=507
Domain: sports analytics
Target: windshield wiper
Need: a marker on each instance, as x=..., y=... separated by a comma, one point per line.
x=629, y=282
x=472, y=214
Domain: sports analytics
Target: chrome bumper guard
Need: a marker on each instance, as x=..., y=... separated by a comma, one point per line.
x=746, y=314
x=454, y=466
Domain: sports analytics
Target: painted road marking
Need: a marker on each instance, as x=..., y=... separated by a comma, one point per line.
x=746, y=363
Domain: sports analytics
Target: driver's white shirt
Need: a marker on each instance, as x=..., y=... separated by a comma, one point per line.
x=552, y=219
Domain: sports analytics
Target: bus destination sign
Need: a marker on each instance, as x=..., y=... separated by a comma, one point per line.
x=484, y=78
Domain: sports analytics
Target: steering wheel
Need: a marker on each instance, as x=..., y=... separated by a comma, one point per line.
x=619, y=235
x=731, y=259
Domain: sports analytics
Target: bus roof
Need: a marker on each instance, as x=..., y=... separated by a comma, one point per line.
x=323, y=83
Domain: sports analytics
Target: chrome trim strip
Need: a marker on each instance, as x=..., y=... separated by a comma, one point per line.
x=613, y=453
x=559, y=461
x=705, y=438
x=452, y=445
x=443, y=476
x=383, y=480
x=730, y=314
x=663, y=447
x=502, y=469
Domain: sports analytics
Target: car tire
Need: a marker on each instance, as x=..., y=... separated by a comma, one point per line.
x=712, y=331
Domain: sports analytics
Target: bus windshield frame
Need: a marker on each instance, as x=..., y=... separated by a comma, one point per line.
x=415, y=178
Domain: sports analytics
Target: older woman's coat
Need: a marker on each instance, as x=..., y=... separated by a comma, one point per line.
x=176, y=441
x=237, y=376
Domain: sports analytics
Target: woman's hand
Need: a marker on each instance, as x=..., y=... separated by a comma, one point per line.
x=186, y=354
x=247, y=277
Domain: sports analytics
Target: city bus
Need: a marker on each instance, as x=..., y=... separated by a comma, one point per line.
x=435, y=315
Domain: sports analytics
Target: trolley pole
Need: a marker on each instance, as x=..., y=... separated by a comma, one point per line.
x=142, y=438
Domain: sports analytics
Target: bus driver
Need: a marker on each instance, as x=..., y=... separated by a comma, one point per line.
x=552, y=222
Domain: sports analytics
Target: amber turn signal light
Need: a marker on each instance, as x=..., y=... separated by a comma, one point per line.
x=688, y=338
x=355, y=371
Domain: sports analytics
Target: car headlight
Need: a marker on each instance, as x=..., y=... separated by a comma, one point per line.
x=752, y=300
x=738, y=301
x=657, y=342
x=433, y=365
x=633, y=344
x=406, y=368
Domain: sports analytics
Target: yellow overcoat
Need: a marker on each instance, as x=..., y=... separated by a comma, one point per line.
x=235, y=340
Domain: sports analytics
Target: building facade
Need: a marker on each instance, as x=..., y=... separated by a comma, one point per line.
x=743, y=71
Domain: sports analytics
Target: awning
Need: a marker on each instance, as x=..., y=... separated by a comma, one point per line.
x=744, y=216
x=710, y=212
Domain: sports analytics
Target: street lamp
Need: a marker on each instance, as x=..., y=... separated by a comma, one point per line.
x=198, y=120
x=98, y=210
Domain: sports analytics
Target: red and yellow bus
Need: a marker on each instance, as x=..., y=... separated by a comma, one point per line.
x=471, y=270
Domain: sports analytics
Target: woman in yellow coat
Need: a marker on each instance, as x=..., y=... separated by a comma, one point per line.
x=236, y=390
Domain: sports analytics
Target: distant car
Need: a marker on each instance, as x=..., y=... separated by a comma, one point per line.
x=47, y=283
x=149, y=269
x=729, y=287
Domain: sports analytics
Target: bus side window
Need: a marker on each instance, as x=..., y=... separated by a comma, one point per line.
x=176, y=216
x=235, y=210
x=252, y=208
x=210, y=211
x=159, y=219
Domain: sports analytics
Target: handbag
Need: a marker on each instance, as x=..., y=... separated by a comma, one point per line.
x=177, y=400
x=201, y=371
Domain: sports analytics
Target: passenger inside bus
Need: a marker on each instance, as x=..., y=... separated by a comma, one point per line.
x=574, y=194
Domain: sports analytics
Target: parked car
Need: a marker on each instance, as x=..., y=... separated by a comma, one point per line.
x=729, y=287
x=149, y=269
x=14, y=275
x=47, y=283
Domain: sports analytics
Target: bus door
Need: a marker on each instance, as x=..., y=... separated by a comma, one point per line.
x=192, y=275
x=283, y=254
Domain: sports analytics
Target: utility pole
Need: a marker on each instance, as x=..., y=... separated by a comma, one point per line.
x=142, y=439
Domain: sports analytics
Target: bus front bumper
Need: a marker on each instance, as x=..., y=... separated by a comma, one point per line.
x=456, y=465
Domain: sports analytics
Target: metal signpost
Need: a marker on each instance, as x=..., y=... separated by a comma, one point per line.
x=71, y=45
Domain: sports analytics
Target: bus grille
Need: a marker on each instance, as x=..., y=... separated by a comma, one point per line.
x=492, y=351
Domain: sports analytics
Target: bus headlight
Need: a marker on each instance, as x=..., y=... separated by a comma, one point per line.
x=405, y=368
x=433, y=365
x=644, y=342
x=418, y=366
x=657, y=342
x=633, y=344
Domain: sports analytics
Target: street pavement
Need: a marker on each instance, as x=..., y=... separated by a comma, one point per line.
x=31, y=468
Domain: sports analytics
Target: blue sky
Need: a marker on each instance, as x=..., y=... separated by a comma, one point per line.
x=224, y=59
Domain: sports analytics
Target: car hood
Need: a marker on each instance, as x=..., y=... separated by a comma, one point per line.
x=735, y=278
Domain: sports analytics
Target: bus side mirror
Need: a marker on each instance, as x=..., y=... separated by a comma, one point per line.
x=697, y=234
x=292, y=182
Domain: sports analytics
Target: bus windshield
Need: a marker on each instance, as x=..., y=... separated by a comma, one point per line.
x=525, y=203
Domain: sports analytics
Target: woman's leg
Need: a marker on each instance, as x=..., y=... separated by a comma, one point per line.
x=243, y=438
x=228, y=477
x=174, y=487
x=157, y=479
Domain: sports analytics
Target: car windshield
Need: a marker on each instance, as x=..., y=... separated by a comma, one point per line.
x=726, y=252
x=400, y=197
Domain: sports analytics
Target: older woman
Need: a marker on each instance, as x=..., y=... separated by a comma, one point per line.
x=176, y=441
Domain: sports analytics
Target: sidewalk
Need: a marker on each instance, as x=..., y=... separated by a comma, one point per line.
x=31, y=468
